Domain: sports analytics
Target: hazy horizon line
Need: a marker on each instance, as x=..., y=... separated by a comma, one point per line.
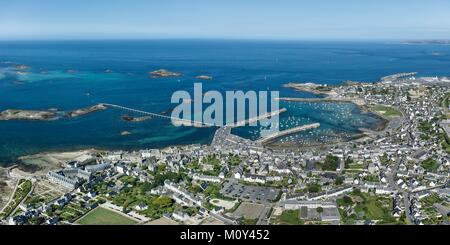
x=227, y=39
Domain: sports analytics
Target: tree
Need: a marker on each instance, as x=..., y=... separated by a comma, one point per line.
x=331, y=163
x=319, y=210
x=384, y=159
x=145, y=187
x=339, y=180
x=160, y=178
x=430, y=164
x=213, y=191
x=314, y=188
x=193, y=165
x=162, y=202
x=161, y=168
x=347, y=200
x=348, y=161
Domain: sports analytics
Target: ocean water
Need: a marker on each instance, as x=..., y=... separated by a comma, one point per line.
x=74, y=74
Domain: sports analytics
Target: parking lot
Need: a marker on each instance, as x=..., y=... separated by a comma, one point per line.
x=250, y=193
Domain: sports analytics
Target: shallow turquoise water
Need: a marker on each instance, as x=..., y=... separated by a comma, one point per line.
x=71, y=75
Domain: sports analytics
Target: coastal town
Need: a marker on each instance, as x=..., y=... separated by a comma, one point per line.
x=397, y=175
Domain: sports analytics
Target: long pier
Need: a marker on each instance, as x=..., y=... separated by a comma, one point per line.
x=258, y=118
x=287, y=132
x=397, y=76
x=175, y=120
x=192, y=123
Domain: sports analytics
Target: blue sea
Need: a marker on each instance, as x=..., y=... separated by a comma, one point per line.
x=70, y=75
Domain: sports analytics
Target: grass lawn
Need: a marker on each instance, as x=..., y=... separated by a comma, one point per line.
x=431, y=199
x=374, y=210
x=430, y=165
x=249, y=222
x=356, y=166
x=387, y=111
x=102, y=216
x=290, y=217
x=367, y=207
x=374, y=207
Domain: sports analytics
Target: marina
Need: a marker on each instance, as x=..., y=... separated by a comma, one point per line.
x=287, y=132
x=253, y=120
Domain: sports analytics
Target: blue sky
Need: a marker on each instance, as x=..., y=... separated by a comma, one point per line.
x=234, y=19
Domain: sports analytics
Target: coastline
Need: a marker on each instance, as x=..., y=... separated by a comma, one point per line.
x=355, y=101
x=330, y=96
x=41, y=160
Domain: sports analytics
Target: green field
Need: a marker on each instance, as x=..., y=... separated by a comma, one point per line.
x=387, y=111
x=290, y=217
x=102, y=216
x=367, y=207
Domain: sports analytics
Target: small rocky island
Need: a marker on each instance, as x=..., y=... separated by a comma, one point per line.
x=12, y=114
x=21, y=67
x=204, y=77
x=127, y=118
x=125, y=133
x=84, y=111
x=164, y=73
x=45, y=115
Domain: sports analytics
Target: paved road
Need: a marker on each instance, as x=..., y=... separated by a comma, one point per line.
x=393, y=173
x=430, y=188
x=406, y=201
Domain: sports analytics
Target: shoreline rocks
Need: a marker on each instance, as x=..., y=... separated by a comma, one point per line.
x=313, y=88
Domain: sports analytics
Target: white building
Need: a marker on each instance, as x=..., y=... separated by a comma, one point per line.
x=206, y=178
